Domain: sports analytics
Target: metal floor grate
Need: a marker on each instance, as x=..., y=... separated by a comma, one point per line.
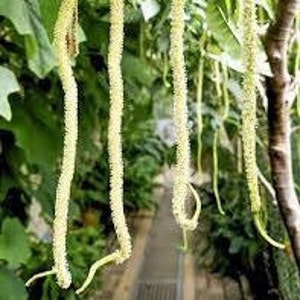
x=156, y=291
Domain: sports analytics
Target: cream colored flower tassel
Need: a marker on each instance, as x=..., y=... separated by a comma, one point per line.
x=64, y=49
x=249, y=115
x=180, y=113
x=114, y=143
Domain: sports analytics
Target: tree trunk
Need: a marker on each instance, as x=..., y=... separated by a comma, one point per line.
x=279, y=92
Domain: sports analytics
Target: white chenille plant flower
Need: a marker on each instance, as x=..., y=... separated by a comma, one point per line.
x=180, y=115
x=114, y=142
x=64, y=49
x=249, y=115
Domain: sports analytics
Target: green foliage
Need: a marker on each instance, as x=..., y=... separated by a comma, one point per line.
x=32, y=121
x=12, y=288
x=232, y=242
x=26, y=18
x=14, y=243
x=49, y=11
x=224, y=32
x=85, y=246
x=287, y=272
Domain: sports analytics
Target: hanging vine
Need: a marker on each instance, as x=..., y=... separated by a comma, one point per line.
x=199, y=97
x=221, y=91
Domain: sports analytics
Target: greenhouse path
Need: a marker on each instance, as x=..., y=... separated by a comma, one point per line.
x=161, y=273
x=158, y=270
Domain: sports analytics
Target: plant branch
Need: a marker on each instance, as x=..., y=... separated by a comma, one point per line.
x=280, y=99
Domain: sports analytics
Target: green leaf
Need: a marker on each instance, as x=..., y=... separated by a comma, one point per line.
x=26, y=18
x=36, y=129
x=16, y=11
x=11, y=287
x=14, y=247
x=41, y=59
x=222, y=30
x=8, y=85
x=49, y=11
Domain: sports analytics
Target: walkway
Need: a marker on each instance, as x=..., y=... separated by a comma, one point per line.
x=158, y=270
x=161, y=274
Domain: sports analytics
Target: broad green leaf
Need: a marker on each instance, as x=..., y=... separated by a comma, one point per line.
x=11, y=287
x=36, y=130
x=16, y=11
x=222, y=30
x=39, y=51
x=26, y=18
x=14, y=246
x=8, y=85
x=49, y=11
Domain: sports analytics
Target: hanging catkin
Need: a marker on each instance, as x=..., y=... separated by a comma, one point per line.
x=180, y=113
x=64, y=50
x=63, y=24
x=114, y=142
x=249, y=115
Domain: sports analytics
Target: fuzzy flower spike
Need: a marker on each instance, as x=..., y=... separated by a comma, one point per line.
x=180, y=115
x=65, y=45
x=249, y=115
x=114, y=143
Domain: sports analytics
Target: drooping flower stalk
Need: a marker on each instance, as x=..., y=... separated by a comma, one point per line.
x=199, y=96
x=63, y=24
x=114, y=143
x=222, y=93
x=64, y=50
x=180, y=113
x=249, y=115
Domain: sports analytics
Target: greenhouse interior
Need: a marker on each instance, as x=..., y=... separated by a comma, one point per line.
x=149, y=150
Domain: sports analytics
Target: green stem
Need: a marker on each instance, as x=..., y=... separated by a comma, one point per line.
x=101, y=262
x=194, y=218
x=216, y=171
x=198, y=203
x=225, y=92
x=39, y=275
x=141, y=41
x=165, y=70
x=199, y=97
x=217, y=78
x=261, y=229
x=184, y=248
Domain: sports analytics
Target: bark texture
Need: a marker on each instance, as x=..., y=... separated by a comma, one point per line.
x=280, y=100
